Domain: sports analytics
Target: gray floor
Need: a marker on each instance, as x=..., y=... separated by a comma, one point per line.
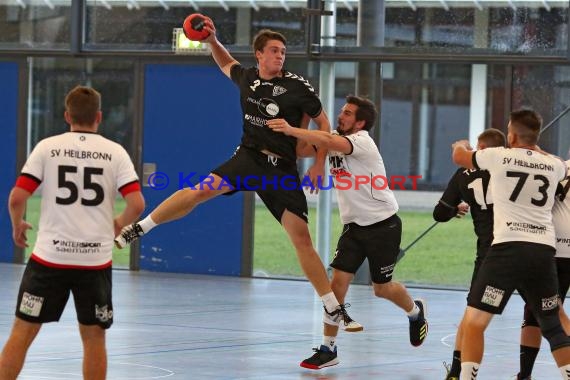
x=205, y=327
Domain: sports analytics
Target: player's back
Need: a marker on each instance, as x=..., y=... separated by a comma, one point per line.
x=79, y=174
x=523, y=183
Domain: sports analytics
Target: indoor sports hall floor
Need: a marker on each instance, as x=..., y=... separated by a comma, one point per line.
x=171, y=326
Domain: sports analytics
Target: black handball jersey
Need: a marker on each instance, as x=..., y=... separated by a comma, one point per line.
x=286, y=97
x=471, y=187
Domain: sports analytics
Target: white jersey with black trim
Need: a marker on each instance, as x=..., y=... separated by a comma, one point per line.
x=80, y=174
x=561, y=217
x=523, y=183
x=363, y=190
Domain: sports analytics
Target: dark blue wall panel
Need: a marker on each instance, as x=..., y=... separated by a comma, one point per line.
x=8, y=128
x=192, y=123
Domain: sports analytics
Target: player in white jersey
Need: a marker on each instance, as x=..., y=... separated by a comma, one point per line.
x=368, y=210
x=530, y=331
x=81, y=174
x=523, y=183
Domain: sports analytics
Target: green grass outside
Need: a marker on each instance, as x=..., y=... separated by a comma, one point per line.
x=443, y=257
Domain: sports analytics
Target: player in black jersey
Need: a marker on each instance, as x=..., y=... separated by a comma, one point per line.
x=266, y=158
x=523, y=183
x=467, y=190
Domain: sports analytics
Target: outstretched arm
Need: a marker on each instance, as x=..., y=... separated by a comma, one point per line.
x=320, y=138
x=221, y=56
x=304, y=149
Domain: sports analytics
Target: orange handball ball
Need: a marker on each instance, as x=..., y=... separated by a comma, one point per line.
x=194, y=27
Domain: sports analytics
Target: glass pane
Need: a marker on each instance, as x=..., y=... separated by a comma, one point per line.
x=547, y=90
x=35, y=24
x=51, y=79
x=501, y=27
x=149, y=25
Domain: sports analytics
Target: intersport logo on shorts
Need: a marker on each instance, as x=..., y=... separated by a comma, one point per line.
x=344, y=181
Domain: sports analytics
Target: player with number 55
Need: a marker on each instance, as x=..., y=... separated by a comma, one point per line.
x=81, y=173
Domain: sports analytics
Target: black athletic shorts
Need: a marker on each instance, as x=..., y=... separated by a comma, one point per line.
x=379, y=242
x=275, y=180
x=44, y=292
x=481, y=253
x=527, y=267
x=563, y=270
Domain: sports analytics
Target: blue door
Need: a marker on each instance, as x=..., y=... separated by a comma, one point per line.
x=192, y=124
x=8, y=145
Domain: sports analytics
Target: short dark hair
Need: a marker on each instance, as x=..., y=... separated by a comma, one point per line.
x=264, y=35
x=526, y=123
x=366, y=110
x=82, y=104
x=492, y=138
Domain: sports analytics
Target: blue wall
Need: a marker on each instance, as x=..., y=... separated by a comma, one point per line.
x=8, y=128
x=192, y=123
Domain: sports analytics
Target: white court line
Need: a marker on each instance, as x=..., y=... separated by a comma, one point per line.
x=170, y=373
x=33, y=373
x=445, y=338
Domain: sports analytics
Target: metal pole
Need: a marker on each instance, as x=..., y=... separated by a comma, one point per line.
x=327, y=92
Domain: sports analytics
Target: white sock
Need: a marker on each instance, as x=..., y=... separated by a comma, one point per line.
x=330, y=342
x=413, y=314
x=147, y=224
x=329, y=300
x=469, y=371
x=565, y=370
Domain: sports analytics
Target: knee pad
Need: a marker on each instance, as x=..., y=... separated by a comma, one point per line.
x=529, y=319
x=552, y=330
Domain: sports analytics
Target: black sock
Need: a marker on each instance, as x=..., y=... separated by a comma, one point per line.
x=455, y=364
x=528, y=356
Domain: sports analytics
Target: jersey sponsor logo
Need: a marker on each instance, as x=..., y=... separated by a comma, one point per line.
x=492, y=296
x=82, y=247
x=563, y=241
x=526, y=227
x=103, y=313
x=549, y=303
x=301, y=79
x=278, y=90
x=268, y=107
x=31, y=305
x=255, y=120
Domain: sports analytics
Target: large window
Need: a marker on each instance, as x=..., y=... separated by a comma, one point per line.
x=29, y=24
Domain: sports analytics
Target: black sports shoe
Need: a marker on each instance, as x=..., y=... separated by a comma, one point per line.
x=323, y=357
x=419, y=326
x=128, y=234
x=339, y=317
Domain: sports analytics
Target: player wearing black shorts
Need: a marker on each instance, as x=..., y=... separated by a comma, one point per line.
x=80, y=172
x=372, y=229
x=265, y=160
x=467, y=190
x=523, y=185
x=530, y=331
